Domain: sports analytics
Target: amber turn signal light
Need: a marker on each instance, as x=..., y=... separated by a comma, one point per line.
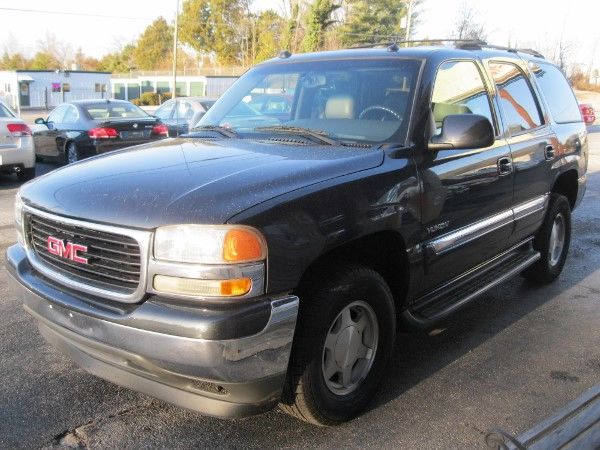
x=241, y=245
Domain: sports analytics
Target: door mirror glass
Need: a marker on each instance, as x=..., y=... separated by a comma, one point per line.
x=40, y=121
x=463, y=131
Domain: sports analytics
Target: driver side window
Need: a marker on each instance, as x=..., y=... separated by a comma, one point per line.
x=57, y=115
x=459, y=89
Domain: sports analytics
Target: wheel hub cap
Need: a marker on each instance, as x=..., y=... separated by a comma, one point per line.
x=557, y=240
x=350, y=347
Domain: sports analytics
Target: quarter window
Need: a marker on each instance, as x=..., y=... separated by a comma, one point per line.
x=557, y=92
x=517, y=102
x=459, y=89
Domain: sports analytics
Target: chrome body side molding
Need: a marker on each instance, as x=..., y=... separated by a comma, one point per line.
x=478, y=229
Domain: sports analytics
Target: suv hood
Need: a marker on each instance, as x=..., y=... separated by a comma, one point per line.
x=188, y=180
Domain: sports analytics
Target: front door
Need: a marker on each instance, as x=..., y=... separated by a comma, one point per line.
x=467, y=193
x=45, y=135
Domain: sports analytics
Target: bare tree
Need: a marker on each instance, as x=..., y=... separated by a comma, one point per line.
x=468, y=25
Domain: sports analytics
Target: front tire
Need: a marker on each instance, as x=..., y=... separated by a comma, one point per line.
x=552, y=241
x=71, y=153
x=344, y=339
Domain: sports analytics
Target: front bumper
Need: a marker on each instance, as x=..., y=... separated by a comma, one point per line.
x=173, y=353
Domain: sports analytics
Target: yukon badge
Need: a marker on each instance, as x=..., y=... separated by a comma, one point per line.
x=437, y=227
x=67, y=250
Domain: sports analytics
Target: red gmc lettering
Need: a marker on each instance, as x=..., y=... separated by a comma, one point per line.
x=70, y=251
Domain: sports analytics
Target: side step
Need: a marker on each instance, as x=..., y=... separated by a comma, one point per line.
x=466, y=287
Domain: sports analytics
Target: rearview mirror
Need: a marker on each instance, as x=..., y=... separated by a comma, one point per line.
x=40, y=121
x=462, y=131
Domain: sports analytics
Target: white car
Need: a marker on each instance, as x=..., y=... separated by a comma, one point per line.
x=17, y=152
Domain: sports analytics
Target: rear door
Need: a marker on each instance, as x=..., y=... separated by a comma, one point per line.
x=467, y=193
x=532, y=142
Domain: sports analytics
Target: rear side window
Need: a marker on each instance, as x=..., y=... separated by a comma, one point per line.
x=517, y=102
x=459, y=89
x=557, y=92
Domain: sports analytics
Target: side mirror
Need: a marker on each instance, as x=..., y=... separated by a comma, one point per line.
x=40, y=121
x=462, y=131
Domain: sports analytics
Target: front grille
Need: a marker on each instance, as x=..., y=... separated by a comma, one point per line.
x=113, y=260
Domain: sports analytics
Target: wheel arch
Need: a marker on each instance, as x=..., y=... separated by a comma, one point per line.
x=383, y=252
x=567, y=184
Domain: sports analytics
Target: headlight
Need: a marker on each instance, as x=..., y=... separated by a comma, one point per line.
x=19, y=218
x=218, y=244
x=231, y=258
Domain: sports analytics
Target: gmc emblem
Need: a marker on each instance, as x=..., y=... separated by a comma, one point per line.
x=66, y=250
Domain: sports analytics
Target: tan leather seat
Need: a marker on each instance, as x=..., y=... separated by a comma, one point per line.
x=339, y=107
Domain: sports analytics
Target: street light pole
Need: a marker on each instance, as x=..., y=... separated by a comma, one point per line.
x=175, y=49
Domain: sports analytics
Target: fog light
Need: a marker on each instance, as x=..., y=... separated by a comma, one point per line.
x=202, y=288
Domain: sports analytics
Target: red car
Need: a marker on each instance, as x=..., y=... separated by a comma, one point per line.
x=587, y=113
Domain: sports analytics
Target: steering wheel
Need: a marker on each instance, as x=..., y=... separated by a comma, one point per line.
x=385, y=109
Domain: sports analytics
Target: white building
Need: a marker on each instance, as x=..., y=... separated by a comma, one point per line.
x=125, y=87
x=22, y=89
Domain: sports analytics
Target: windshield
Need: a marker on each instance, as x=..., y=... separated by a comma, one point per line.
x=366, y=100
x=103, y=111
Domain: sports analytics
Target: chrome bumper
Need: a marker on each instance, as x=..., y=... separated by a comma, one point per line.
x=229, y=377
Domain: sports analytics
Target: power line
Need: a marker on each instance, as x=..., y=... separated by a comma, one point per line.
x=68, y=13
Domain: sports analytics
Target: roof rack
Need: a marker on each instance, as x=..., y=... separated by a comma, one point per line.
x=464, y=44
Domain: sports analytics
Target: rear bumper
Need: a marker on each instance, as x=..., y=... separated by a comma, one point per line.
x=232, y=377
x=20, y=155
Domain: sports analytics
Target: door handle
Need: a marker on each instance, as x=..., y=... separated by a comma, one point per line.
x=505, y=166
x=549, y=152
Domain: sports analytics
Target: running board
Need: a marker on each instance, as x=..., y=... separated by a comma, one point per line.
x=461, y=290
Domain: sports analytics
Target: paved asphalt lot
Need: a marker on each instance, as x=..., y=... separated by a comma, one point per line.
x=507, y=361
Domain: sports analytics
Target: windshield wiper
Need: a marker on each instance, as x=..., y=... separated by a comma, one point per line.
x=224, y=131
x=318, y=135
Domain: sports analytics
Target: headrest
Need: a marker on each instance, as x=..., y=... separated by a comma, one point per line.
x=441, y=110
x=339, y=107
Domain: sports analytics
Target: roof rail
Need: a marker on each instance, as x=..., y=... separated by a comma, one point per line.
x=528, y=51
x=465, y=44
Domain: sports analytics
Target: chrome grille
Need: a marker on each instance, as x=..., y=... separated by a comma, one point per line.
x=114, y=260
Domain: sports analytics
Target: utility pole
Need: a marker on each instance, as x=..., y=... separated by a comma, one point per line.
x=175, y=49
x=408, y=20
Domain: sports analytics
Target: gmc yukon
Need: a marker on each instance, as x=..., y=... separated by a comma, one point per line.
x=260, y=261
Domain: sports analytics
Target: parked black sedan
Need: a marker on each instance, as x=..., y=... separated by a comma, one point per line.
x=181, y=114
x=88, y=127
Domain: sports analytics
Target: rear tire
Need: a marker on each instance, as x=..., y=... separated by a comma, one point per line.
x=26, y=174
x=344, y=339
x=552, y=241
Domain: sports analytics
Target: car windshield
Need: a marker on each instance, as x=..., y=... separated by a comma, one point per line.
x=103, y=111
x=366, y=100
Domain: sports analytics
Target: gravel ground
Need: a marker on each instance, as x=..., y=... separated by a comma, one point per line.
x=506, y=361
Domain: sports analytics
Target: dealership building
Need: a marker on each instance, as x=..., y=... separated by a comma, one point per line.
x=22, y=89
x=128, y=87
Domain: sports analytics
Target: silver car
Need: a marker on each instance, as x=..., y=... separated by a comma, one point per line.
x=17, y=152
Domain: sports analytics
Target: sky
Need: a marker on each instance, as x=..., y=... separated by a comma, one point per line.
x=530, y=23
